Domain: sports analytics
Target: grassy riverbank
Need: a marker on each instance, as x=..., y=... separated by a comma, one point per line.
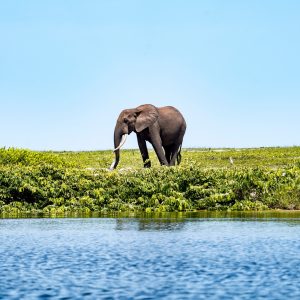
x=66, y=182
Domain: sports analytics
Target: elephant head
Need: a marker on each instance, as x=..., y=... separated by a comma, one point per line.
x=135, y=119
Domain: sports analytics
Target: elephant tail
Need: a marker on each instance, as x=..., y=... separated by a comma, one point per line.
x=179, y=155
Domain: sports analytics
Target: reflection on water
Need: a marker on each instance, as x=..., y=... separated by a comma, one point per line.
x=158, y=224
x=268, y=214
x=143, y=258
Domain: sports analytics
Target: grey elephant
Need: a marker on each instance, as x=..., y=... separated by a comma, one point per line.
x=163, y=127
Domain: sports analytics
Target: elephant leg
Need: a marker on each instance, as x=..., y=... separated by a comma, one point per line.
x=174, y=153
x=144, y=152
x=160, y=154
x=157, y=145
x=168, y=154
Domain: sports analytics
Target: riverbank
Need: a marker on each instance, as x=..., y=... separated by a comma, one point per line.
x=59, y=183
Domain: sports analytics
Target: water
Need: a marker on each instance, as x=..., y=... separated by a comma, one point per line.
x=140, y=258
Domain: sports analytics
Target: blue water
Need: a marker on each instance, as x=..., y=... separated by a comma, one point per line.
x=149, y=259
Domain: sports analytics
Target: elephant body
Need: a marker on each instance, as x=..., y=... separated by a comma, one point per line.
x=163, y=127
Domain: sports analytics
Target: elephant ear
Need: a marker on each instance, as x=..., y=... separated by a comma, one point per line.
x=147, y=115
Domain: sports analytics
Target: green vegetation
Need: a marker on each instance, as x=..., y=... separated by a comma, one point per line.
x=66, y=182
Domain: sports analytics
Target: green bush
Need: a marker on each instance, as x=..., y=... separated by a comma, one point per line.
x=59, y=183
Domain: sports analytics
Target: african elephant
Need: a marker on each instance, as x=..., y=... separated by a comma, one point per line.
x=163, y=127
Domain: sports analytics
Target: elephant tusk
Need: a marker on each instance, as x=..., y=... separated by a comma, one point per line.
x=123, y=140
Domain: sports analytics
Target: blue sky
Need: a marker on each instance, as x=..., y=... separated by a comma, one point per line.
x=67, y=69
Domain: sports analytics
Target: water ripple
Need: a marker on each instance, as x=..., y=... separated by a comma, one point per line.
x=149, y=259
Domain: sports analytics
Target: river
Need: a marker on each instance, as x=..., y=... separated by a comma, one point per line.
x=150, y=258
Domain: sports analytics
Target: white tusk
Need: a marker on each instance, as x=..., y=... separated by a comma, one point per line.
x=123, y=140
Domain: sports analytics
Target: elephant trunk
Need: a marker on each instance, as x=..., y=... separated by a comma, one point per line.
x=122, y=142
x=119, y=140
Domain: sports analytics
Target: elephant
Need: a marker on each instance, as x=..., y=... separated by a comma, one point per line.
x=164, y=127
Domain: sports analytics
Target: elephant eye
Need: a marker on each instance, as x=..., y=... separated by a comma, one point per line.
x=125, y=120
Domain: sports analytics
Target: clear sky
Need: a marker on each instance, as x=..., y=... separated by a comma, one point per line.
x=67, y=69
